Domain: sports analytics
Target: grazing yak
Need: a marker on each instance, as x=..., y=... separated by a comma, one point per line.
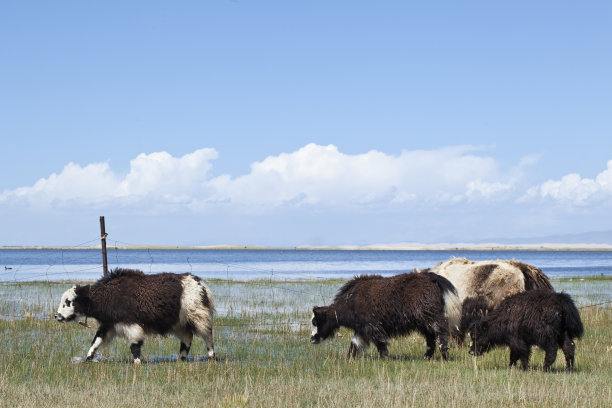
x=378, y=308
x=472, y=310
x=491, y=281
x=538, y=317
x=131, y=304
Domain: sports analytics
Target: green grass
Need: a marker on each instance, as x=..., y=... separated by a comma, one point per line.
x=265, y=359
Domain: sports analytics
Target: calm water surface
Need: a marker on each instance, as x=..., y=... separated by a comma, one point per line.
x=85, y=264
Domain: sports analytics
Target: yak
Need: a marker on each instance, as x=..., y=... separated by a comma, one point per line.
x=539, y=317
x=472, y=310
x=491, y=281
x=130, y=304
x=378, y=308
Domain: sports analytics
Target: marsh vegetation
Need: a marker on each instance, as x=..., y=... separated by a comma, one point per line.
x=265, y=359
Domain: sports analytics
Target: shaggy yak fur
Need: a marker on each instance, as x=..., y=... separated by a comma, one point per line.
x=472, y=310
x=492, y=281
x=131, y=304
x=378, y=308
x=538, y=317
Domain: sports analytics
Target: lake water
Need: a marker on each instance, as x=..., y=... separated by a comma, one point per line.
x=20, y=265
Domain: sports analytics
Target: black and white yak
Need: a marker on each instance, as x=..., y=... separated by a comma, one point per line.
x=378, y=309
x=130, y=304
x=538, y=317
x=490, y=281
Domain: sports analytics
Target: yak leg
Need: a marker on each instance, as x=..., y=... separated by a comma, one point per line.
x=204, y=329
x=550, y=356
x=186, y=338
x=521, y=350
x=352, y=352
x=357, y=342
x=208, y=339
x=103, y=336
x=135, y=349
x=430, y=338
x=569, y=348
x=443, y=338
x=513, y=357
x=135, y=335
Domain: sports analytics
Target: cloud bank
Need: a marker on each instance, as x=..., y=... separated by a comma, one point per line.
x=574, y=190
x=313, y=177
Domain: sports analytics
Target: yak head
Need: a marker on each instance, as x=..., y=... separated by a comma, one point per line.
x=479, y=342
x=322, y=325
x=473, y=309
x=71, y=304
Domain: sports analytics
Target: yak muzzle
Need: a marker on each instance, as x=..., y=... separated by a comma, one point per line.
x=315, y=339
x=61, y=318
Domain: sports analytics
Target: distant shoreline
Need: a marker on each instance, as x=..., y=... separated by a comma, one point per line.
x=375, y=247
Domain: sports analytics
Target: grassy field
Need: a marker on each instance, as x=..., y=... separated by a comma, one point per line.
x=265, y=359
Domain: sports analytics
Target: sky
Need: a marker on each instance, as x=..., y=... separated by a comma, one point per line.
x=282, y=123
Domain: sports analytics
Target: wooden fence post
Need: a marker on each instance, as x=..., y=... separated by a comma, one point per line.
x=103, y=236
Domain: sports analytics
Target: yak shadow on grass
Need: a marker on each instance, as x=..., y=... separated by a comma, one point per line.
x=149, y=360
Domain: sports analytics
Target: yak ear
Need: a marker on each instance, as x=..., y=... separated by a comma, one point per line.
x=319, y=312
x=82, y=290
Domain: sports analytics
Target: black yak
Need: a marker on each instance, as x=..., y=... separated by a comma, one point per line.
x=378, y=308
x=492, y=281
x=131, y=304
x=538, y=317
x=472, y=310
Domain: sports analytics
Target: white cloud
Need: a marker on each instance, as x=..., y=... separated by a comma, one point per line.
x=573, y=189
x=322, y=175
x=314, y=176
x=87, y=185
x=158, y=175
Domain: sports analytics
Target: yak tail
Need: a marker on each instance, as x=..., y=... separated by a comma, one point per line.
x=452, y=304
x=534, y=277
x=571, y=317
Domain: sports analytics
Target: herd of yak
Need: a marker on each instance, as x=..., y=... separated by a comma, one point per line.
x=496, y=303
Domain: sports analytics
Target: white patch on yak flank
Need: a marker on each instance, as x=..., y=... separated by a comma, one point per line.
x=359, y=342
x=193, y=312
x=134, y=333
x=461, y=273
x=452, y=309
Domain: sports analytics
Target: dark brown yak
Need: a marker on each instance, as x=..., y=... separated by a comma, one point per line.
x=538, y=317
x=378, y=308
x=130, y=304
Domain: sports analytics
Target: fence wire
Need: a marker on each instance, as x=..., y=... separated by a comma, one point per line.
x=287, y=293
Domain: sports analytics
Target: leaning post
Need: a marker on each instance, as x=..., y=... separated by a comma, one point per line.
x=103, y=236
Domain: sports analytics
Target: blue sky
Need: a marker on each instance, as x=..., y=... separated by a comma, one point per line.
x=304, y=123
